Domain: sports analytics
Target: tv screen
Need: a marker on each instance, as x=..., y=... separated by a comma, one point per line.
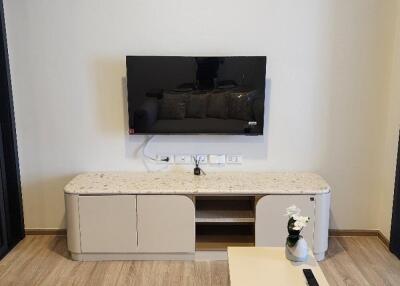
x=196, y=95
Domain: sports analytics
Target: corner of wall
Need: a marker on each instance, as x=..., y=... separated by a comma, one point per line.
x=390, y=128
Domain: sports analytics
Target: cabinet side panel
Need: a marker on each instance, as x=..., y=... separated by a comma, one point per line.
x=271, y=222
x=322, y=208
x=72, y=217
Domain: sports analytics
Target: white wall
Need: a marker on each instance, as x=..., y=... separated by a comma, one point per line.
x=390, y=138
x=327, y=62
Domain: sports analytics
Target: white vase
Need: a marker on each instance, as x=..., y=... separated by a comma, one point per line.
x=298, y=252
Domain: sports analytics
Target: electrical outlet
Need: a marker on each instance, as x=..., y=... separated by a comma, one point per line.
x=162, y=159
x=216, y=159
x=234, y=159
x=202, y=159
x=183, y=159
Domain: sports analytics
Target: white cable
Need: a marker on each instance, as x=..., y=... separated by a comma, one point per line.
x=146, y=156
x=146, y=144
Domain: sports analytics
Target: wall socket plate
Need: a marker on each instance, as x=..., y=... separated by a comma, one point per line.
x=234, y=159
x=216, y=159
x=183, y=159
x=187, y=159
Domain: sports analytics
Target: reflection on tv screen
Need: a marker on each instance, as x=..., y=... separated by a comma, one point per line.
x=196, y=95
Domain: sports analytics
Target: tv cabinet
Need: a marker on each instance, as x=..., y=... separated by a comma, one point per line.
x=175, y=215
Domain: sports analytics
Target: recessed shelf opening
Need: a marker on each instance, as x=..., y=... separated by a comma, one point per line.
x=223, y=221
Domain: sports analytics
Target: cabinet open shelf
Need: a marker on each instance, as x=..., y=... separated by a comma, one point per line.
x=215, y=209
x=221, y=243
x=220, y=236
x=224, y=216
x=223, y=221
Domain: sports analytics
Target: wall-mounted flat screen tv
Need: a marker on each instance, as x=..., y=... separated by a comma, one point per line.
x=196, y=95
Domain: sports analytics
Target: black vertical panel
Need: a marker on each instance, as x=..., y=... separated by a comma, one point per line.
x=3, y=228
x=395, y=231
x=11, y=192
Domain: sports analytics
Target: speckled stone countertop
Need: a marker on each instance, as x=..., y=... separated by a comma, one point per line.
x=223, y=183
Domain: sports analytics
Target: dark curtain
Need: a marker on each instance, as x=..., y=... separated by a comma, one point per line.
x=395, y=231
x=11, y=216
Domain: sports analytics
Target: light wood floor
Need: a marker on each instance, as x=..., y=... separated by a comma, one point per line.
x=43, y=260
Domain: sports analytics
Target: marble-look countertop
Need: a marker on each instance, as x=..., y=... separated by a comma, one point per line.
x=223, y=183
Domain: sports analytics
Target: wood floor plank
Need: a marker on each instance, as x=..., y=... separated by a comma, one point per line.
x=392, y=268
x=338, y=267
x=127, y=275
x=202, y=276
x=220, y=273
x=179, y=273
x=368, y=258
x=44, y=260
x=28, y=256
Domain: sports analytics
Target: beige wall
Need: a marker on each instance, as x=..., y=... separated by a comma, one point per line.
x=327, y=62
x=390, y=138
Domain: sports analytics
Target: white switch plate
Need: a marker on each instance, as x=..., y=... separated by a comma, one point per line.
x=183, y=159
x=216, y=159
x=234, y=159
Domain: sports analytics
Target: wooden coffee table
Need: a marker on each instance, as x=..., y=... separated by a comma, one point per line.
x=253, y=266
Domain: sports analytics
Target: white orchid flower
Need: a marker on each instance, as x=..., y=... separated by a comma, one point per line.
x=298, y=225
x=303, y=219
x=292, y=211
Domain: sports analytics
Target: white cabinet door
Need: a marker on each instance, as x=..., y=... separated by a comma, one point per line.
x=166, y=224
x=271, y=223
x=108, y=224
